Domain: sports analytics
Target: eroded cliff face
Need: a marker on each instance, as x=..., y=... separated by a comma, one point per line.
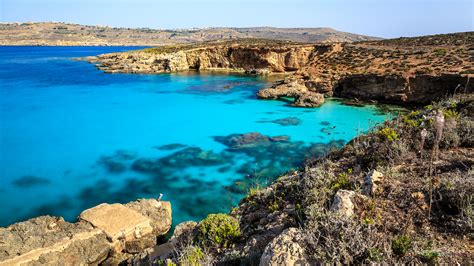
x=416, y=89
x=228, y=56
x=402, y=71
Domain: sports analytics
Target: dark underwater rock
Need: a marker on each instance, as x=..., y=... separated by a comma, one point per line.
x=116, y=163
x=170, y=147
x=236, y=141
x=194, y=156
x=287, y=121
x=30, y=181
x=112, y=166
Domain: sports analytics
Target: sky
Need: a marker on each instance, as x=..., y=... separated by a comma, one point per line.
x=382, y=18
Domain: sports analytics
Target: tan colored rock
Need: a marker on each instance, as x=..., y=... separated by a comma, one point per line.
x=106, y=232
x=159, y=212
x=36, y=242
x=310, y=99
x=117, y=221
x=372, y=182
x=342, y=203
x=285, y=249
x=292, y=89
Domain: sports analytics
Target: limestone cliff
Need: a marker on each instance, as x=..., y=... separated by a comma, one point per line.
x=258, y=57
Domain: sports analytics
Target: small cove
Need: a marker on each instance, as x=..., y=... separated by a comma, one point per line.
x=72, y=137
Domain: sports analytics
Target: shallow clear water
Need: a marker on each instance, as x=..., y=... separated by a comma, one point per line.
x=72, y=137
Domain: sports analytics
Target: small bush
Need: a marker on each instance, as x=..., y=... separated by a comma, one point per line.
x=388, y=133
x=192, y=256
x=439, y=52
x=429, y=256
x=375, y=254
x=401, y=245
x=412, y=119
x=218, y=230
x=450, y=113
x=342, y=182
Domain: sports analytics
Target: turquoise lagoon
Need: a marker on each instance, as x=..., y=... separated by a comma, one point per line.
x=72, y=137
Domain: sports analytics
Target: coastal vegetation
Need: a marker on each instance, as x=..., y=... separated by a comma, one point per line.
x=380, y=199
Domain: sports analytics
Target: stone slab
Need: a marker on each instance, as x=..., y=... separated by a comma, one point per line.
x=117, y=221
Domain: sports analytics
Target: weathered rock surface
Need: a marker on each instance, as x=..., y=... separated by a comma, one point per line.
x=102, y=232
x=342, y=203
x=285, y=250
x=51, y=240
x=303, y=97
x=258, y=57
x=371, y=183
x=159, y=213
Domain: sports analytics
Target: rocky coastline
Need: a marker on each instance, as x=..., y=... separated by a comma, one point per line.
x=406, y=71
x=402, y=193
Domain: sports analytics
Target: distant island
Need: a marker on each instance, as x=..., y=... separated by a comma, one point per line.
x=65, y=34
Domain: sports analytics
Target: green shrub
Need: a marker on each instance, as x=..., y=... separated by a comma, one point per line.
x=388, y=133
x=401, y=245
x=439, y=51
x=450, y=113
x=161, y=262
x=218, y=230
x=375, y=254
x=412, y=119
x=429, y=256
x=341, y=182
x=192, y=256
x=254, y=190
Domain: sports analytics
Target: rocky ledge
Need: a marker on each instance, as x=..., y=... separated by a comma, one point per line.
x=107, y=233
x=402, y=71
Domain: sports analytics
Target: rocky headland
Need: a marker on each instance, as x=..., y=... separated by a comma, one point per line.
x=402, y=71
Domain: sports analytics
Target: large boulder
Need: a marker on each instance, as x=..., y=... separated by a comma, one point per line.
x=310, y=99
x=293, y=89
x=285, y=249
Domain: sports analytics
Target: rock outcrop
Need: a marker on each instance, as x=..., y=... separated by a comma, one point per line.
x=110, y=232
x=342, y=203
x=372, y=182
x=285, y=250
x=303, y=97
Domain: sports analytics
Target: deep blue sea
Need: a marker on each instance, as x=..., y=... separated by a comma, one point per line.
x=72, y=137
